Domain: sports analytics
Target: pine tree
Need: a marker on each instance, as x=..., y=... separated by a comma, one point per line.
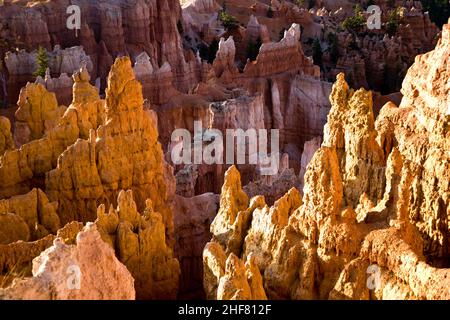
x=42, y=62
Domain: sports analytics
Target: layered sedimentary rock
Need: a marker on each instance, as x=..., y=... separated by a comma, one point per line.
x=139, y=241
x=108, y=30
x=372, y=223
x=292, y=90
x=87, y=270
x=157, y=84
x=379, y=60
x=61, y=86
x=309, y=149
x=80, y=174
x=420, y=130
x=230, y=278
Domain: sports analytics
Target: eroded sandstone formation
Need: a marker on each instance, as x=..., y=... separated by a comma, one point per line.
x=87, y=270
x=357, y=210
x=37, y=113
x=373, y=221
x=121, y=154
x=139, y=241
x=74, y=163
x=28, y=217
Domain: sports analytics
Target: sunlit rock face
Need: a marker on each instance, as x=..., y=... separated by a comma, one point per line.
x=109, y=30
x=358, y=209
x=375, y=203
x=74, y=160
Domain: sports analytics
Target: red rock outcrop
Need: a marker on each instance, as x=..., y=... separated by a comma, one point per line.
x=192, y=220
x=109, y=29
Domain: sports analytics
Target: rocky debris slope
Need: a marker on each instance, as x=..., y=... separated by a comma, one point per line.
x=373, y=221
x=87, y=270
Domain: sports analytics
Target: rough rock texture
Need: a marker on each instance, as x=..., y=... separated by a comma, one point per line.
x=420, y=130
x=275, y=186
x=373, y=221
x=228, y=225
x=109, y=30
x=62, y=63
x=351, y=130
x=192, y=220
x=309, y=149
x=294, y=96
x=37, y=113
x=23, y=169
x=16, y=258
x=139, y=241
x=61, y=86
x=229, y=278
x=88, y=270
x=28, y=217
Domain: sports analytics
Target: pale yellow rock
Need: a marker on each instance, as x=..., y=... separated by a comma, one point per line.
x=16, y=258
x=19, y=167
x=13, y=228
x=266, y=226
x=234, y=285
x=214, y=259
x=254, y=279
x=351, y=131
